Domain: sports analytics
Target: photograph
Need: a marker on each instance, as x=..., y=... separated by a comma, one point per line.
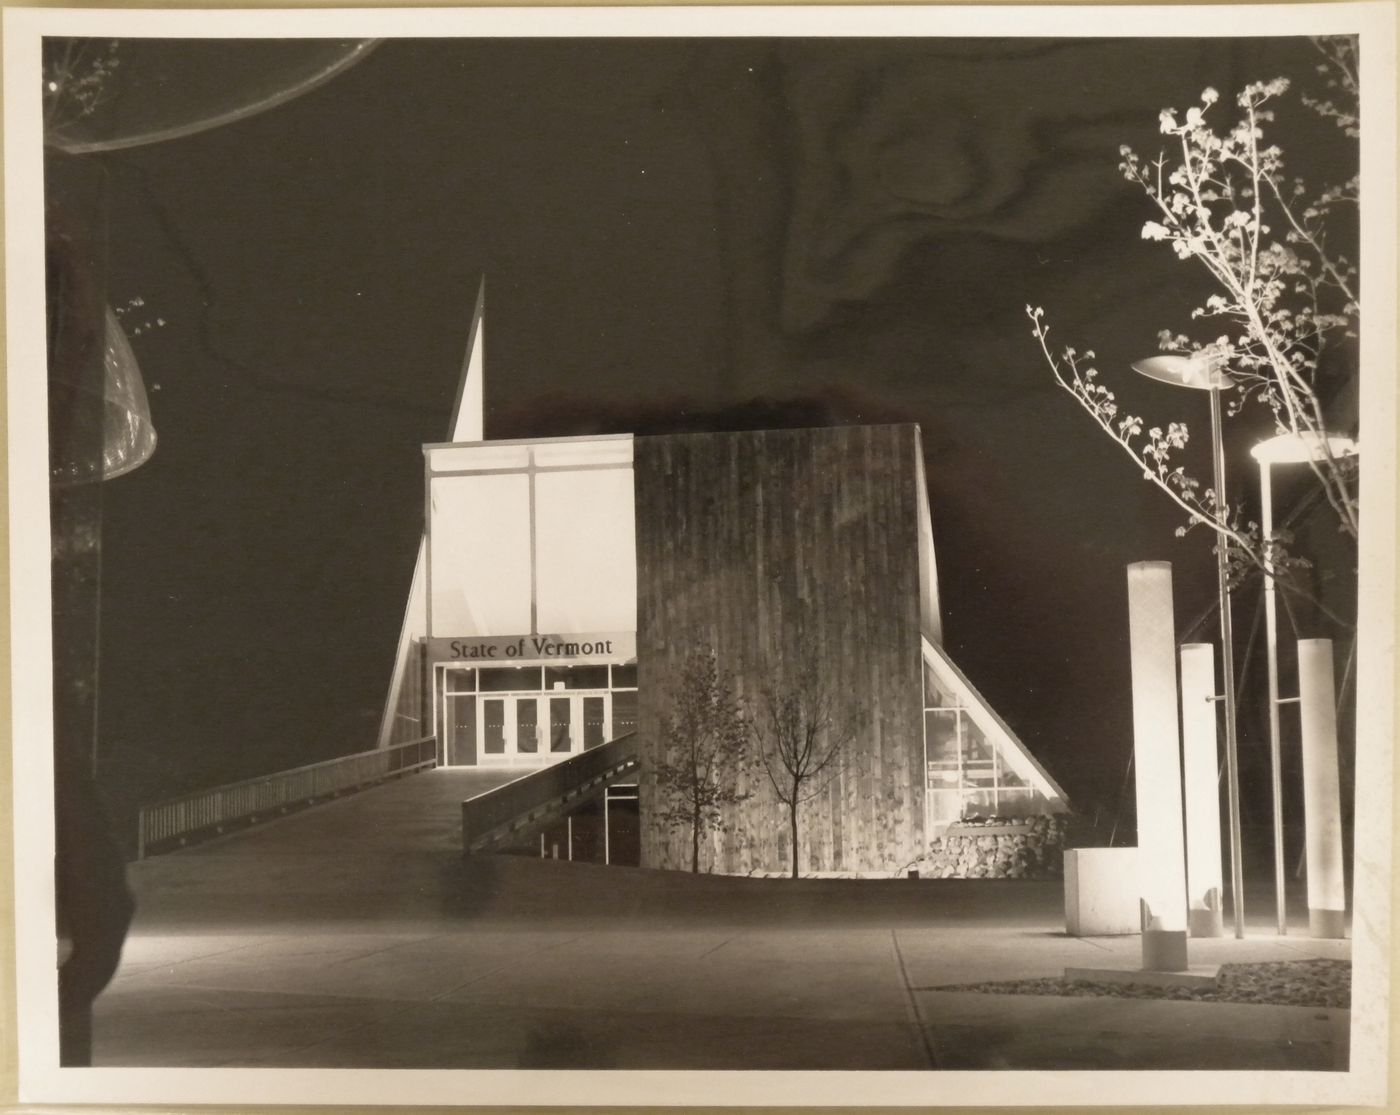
x=680, y=555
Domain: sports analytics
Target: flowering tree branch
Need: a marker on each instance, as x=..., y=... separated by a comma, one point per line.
x=76, y=76
x=1151, y=451
x=1280, y=299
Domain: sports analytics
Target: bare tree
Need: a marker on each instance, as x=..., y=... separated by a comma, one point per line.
x=707, y=737
x=803, y=740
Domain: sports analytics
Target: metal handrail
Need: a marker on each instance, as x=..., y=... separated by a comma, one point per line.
x=510, y=808
x=209, y=811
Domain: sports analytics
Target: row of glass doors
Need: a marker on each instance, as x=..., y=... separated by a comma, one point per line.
x=507, y=729
x=529, y=726
x=532, y=715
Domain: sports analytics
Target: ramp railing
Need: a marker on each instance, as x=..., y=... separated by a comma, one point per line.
x=510, y=812
x=179, y=821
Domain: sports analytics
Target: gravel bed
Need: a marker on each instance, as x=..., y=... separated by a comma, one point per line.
x=1291, y=983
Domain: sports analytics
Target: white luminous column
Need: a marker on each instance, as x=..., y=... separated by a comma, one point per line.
x=1322, y=797
x=1291, y=448
x=1157, y=758
x=1201, y=783
x=1205, y=372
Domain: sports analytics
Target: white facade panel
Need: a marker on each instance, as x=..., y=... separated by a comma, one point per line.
x=586, y=550
x=480, y=555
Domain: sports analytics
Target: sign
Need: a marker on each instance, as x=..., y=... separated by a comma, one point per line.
x=605, y=646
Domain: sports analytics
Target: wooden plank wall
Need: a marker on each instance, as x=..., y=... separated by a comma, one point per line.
x=775, y=548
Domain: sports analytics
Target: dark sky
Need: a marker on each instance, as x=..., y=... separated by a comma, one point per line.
x=674, y=234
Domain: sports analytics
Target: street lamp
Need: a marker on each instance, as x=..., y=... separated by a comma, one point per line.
x=1294, y=448
x=1205, y=373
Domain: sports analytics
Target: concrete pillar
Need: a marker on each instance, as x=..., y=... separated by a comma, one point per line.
x=1322, y=796
x=1201, y=783
x=1157, y=761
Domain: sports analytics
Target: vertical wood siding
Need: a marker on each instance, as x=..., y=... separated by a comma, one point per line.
x=777, y=548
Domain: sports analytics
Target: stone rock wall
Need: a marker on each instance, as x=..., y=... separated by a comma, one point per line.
x=1023, y=848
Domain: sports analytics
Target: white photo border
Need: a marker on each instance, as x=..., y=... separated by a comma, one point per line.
x=42, y=1080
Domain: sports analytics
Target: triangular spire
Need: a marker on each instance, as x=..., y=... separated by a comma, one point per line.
x=469, y=413
x=467, y=424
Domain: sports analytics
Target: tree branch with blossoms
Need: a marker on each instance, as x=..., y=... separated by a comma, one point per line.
x=77, y=75
x=1281, y=298
x=1152, y=449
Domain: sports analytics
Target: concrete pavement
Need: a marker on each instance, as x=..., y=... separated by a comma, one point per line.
x=354, y=935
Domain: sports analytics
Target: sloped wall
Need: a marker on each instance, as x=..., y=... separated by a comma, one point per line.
x=412, y=715
x=779, y=549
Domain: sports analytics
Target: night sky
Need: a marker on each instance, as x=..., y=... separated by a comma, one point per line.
x=675, y=234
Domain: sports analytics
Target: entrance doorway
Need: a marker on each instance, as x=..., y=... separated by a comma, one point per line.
x=532, y=715
x=526, y=728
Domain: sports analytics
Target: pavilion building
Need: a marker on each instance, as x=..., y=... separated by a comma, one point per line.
x=563, y=584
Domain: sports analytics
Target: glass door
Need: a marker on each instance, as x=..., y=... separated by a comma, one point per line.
x=577, y=722
x=529, y=728
x=561, y=726
x=459, y=727
x=595, y=721
x=496, y=744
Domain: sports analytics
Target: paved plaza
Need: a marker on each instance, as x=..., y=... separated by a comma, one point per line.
x=355, y=935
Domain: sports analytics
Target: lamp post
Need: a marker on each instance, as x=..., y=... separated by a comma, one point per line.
x=1299, y=447
x=1204, y=373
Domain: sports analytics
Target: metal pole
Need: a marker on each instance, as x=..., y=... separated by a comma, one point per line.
x=1227, y=639
x=1266, y=495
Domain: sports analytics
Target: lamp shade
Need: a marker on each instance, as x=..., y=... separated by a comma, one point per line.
x=128, y=437
x=1199, y=371
x=1301, y=446
x=105, y=94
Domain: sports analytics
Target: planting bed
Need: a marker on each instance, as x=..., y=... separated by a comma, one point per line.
x=1295, y=983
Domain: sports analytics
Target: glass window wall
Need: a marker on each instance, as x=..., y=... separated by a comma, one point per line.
x=459, y=681
x=575, y=677
x=510, y=679
x=625, y=677
x=968, y=776
x=624, y=712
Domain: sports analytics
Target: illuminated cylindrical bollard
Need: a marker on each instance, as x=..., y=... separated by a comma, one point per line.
x=1201, y=783
x=1322, y=795
x=1157, y=759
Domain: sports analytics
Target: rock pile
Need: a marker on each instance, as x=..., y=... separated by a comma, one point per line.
x=998, y=848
